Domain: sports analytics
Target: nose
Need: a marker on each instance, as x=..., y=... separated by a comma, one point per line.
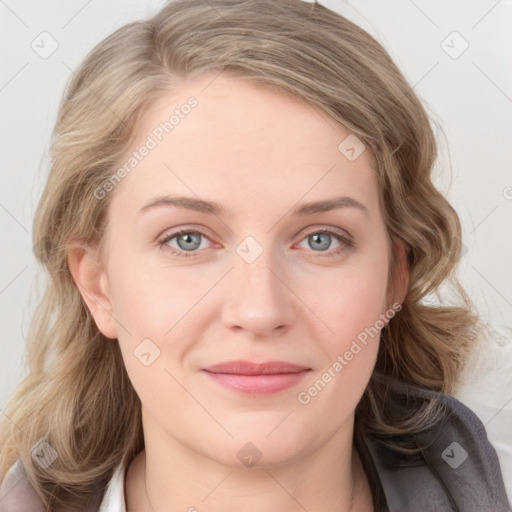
x=259, y=299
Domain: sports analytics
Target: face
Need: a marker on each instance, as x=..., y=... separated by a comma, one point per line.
x=256, y=274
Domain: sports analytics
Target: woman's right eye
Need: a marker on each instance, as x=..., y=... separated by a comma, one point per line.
x=187, y=241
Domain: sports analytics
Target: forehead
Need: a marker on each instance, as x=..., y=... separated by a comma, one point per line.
x=226, y=139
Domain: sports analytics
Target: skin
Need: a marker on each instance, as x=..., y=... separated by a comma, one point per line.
x=259, y=154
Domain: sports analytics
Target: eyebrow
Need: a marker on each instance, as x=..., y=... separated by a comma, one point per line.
x=213, y=208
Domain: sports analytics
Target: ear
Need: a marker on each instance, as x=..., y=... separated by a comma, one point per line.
x=91, y=280
x=399, y=286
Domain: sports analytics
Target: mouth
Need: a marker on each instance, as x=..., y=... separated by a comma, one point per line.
x=256, y=378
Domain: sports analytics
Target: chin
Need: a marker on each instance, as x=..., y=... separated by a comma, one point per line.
x=256, y=448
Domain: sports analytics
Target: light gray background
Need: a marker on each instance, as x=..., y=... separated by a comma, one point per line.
x=470, y=95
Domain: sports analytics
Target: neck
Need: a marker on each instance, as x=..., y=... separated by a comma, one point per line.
x=330, y=479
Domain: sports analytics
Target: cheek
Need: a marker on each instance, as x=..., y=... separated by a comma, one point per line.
x=352, y=309
x=355, y=322
x=349, y=299
x=350, y=305
x=163, y=312
x=151, y=302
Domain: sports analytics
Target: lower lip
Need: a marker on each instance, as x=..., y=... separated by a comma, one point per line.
x=258, y=384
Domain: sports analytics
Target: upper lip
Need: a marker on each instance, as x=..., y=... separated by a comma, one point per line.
x=250, y=368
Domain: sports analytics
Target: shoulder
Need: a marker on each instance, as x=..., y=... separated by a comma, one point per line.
x=462, y=458
x=456, y=469
x=17, y=494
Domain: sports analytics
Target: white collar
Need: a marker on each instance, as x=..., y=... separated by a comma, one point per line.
x=113, y=499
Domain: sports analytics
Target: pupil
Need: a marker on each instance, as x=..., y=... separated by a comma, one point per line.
x=189, y=238
x=318, y=241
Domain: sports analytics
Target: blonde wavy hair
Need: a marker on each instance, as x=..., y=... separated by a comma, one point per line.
x=77, y=394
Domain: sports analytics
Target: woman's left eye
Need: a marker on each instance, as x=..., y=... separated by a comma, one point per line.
x=189, y=241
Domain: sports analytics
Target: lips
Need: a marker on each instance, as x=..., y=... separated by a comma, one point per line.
x=249, y=368
x=256, y=378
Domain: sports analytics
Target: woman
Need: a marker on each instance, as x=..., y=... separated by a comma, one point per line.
x=240, y=226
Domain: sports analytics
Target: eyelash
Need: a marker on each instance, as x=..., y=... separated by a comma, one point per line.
x=345, y=241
